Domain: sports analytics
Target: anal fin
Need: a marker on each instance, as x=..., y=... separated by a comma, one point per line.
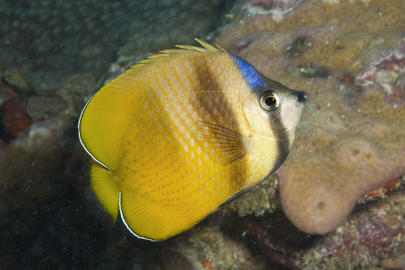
x=106, y=189
x=150, y=220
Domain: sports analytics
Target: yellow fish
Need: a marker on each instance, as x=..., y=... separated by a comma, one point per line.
x=182, y=132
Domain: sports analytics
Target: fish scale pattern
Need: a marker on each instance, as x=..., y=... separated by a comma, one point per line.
x=177, y=131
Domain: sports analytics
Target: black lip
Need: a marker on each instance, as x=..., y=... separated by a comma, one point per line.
x=301, y=96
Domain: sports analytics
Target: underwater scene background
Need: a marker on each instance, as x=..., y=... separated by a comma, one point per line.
x=336, y=203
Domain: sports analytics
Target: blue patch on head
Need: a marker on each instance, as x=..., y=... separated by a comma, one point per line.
x=251, y=75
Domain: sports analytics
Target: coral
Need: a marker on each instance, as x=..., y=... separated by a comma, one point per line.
x=372, y=236
x=15, y=119
x=351, y=138
x=258, y=200
x=368, y=238
x=395, y=263
x=388, y=73
x=276, y=8
x=28, y=170
x=14, y=78
x=41, y=108
x=208, y=248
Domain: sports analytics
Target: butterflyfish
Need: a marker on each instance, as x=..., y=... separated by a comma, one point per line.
x=181, y=133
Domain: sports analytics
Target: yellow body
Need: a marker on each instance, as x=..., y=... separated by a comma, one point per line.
x=173, y=141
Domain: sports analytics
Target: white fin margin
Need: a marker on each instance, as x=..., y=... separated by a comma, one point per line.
x=126, y=224
x=81, y=141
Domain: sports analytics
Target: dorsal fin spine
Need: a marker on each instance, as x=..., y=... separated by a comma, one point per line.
x=205, y=47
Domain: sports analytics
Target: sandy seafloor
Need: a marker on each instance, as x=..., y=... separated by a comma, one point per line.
x=55, y=54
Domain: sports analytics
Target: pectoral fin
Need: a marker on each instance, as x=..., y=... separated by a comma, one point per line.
x=227, y=143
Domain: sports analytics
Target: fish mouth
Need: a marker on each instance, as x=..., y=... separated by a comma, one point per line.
x=301, y=96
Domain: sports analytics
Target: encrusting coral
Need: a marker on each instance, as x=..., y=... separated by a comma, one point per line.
x=366, y=238
x=352, y=135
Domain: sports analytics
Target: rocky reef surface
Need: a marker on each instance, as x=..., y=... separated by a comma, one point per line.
x=353, y=70
x=338, y=201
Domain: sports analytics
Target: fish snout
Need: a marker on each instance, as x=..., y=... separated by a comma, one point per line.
x=301, y=96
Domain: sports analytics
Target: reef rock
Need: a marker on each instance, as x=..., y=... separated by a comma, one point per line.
x=349, y=57
x=368, y=238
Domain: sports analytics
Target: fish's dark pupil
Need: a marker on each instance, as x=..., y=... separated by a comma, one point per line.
x=270, y=101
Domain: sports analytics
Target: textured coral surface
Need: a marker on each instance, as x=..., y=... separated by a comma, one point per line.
x=362, y=241
x=352, y=137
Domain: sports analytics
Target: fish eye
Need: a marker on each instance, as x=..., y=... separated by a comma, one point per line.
x=269, y=101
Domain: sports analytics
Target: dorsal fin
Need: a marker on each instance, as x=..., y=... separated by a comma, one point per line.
x=105, y=118
x=206, y=47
